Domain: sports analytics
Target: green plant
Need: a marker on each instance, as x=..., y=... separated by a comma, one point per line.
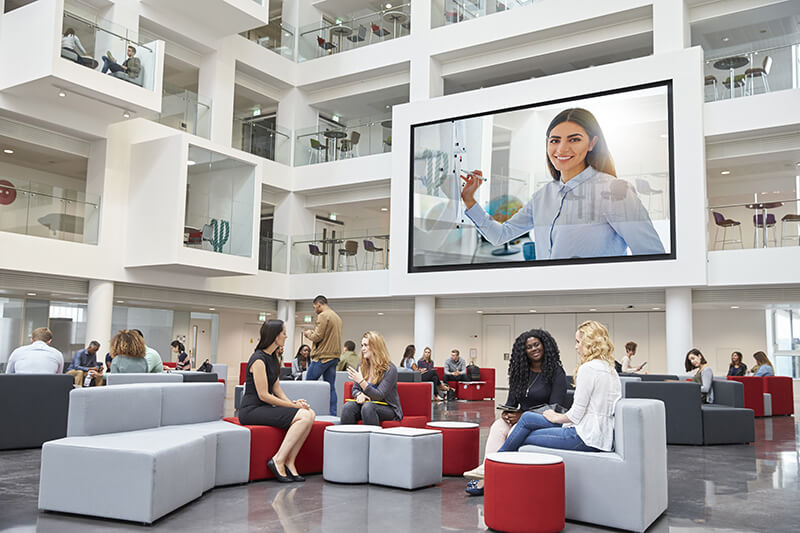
x=222, y=231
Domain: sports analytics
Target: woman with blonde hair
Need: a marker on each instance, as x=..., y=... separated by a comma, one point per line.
x=763, y=366
x=375, y=398
x=589, y=424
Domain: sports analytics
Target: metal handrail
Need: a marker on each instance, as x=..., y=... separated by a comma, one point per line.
x=758, y=51
x=356, y=19
x=743, y=204
x=48, y=195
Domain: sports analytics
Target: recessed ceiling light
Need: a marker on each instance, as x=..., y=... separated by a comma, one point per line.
x=388, y=6
x=212, y=309
x=531, y=310
x=384, y=209
x=592, y=309
x=726, y=39
x=120, y=301
x=734, y=307
x=335, y=118
x=664, y=136
x=479, y=312
x=31, y=294
x=725, y=172
x=8, y=151
x=380, y=314
x=656, y=309
x=62, y=93
x=126, y=114
x=191, y=163
x=388, y=106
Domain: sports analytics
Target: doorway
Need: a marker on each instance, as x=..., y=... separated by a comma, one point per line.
x=199, y=340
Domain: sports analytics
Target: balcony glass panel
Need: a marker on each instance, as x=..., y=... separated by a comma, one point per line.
x=276, y=36
x=219, y=203
x=755, y=71
x=359, y=138
x=362, y=29
x=272, y=251
x=185, y=110
x=350, y=250
x=42, y=210
x=444, y=12
x=742, y=224
x=88, y=43
x=264, y=139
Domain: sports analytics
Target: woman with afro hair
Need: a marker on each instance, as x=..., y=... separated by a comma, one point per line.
x=535, y=377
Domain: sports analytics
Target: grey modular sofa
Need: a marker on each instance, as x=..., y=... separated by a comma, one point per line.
x=636, y=468
x=624, y=380
x=689, y=421
x=34, y=409
x=405, y=375
x=157, y=446
x=316, y=393
x=160, y=377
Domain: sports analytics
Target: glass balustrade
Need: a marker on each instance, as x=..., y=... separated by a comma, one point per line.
x=109, y=48
x=324, y=38
x=32, y=208
x=767, y=220
x=316, y=145
x=444, y=12
x=339, y=252
x=276, y=36
x=272, y=250
x=755, y=70
x=185, y=110
x=264, y=140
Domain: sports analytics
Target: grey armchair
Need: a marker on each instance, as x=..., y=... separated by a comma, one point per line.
x=34, y=410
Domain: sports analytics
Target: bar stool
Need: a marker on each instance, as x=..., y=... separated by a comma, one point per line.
x=759, y=72
x=370, y=248
x=349, y=251
x=726, y=223
x=790, y=219
x=712, y=80
x=758, y=222
x=316, y=253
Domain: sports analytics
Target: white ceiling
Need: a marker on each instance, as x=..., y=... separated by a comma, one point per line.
x=43, y=158
x=369, y=104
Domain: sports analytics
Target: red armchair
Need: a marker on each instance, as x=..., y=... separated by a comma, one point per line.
x=415, y=400
x=170, y=364
x=753, y=393
x=487, y=375
x=779, y=387
x=242, y=373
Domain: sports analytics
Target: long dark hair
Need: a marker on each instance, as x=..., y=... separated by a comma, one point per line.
x=300, y=349
x=599, y=158
x=688, y=364
x=408, y=352
x=740, y=362
x=519, y=366
x=179, y=345
x=269, y=332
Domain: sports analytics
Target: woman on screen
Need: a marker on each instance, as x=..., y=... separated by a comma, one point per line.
x=585, y=211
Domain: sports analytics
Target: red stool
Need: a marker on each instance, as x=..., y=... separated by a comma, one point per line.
x=460, y=446
x=510, y=479
x=470, y=390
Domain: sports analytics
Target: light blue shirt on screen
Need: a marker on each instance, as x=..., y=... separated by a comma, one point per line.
x=764, y=370
x=592, y=215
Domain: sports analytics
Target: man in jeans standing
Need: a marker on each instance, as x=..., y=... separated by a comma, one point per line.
x=327, y=345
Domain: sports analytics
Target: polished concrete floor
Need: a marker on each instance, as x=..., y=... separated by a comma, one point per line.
x=712, y=488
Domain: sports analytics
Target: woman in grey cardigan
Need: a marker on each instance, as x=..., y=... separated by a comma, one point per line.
x=375, y=398
x=703, y=375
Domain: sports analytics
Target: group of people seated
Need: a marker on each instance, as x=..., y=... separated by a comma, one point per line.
x=762, y=368
x=129, y=70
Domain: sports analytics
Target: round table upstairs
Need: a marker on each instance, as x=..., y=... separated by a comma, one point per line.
x=334, y=134
x=341, y=31
x=395, y=17
x=729, y=63
x=764, y=205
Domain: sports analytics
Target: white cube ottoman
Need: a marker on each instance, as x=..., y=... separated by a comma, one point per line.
x=406, y=458
x=346, y=453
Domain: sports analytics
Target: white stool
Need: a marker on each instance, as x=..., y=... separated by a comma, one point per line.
x=346, y=454
x=407, y=458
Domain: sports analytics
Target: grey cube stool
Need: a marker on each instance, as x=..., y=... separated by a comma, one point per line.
x=407, y=458
x=346, y=453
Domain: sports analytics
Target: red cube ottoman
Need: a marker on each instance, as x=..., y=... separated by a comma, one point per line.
x=460, y=446
x=470, y=390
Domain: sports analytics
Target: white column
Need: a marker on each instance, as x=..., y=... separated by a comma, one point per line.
x=424, y=322
x=216, y=82
x=286, y=310
x=425, y=78
x=679, y=327
x=671, y=30
x=98, y=321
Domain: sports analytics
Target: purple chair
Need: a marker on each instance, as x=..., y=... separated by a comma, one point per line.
x=370, y=248
x=758, y=222
x=316, y=253
x=726, y=223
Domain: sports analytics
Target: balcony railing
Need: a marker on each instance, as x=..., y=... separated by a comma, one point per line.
x=315, y=145
x=770, y=220
x=88, y=42
x=41, y=210
x=444, y=12
x=273, y=143
x=323, y=39
x=272, y=251
x=185, y=110
x=357, y=250
x=276, y=36
x=754, y=71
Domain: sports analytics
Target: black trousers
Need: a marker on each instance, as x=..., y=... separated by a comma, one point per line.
x=433, y=377
x=460, y=377
x=371, y=413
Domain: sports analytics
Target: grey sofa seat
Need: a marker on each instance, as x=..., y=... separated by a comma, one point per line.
x=169, y=447
x=34, y=409
x=138, y=80
x=142, y=377
x=193, y=376
x=637, y=468
x=316, y=393
x=341, y=378
x=405, y=375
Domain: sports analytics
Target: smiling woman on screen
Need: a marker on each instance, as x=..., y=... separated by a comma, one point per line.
x=585, y=211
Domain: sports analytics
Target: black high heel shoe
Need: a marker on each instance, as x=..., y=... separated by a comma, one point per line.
x=274, y=469
x=295, y=477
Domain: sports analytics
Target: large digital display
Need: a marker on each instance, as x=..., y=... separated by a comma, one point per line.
x=577, y=180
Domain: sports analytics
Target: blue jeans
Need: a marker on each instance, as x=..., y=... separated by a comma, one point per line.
x=536, y=430
x=110, y=65
x=328, y=372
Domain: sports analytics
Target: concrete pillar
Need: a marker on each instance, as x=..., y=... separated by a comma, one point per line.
x=216, y=82
x=98, y=322
x=425, y=78
x=424, y=322
x=294, y=114
x=679, y=327
x=286, y=309
x=671, y=29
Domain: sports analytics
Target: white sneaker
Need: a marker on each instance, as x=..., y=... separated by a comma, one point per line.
x=475, y=473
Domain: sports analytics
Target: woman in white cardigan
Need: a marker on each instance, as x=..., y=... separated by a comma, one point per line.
x=589, y=424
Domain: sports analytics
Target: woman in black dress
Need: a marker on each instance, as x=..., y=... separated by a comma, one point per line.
x=265, y=404
x=184, y=361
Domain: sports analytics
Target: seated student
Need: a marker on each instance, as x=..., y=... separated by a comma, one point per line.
x=375, y=397
x=265, y=404
x=763, y=366
x=300, y=361
x=407, y=361
x=132, y=66
x=108, y=361
x=589, y=424
x=535, y=377
x=695, y=362
x=737, y=367
x=455, y=368
x=38, y=357
x=128, y=353
x=184, y=362
x=155, y=364
x=85, y=364
x=630, y=351
x=426, y=367
x=349, y=357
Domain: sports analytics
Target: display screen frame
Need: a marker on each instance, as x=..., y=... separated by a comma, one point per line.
x=671, y=255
